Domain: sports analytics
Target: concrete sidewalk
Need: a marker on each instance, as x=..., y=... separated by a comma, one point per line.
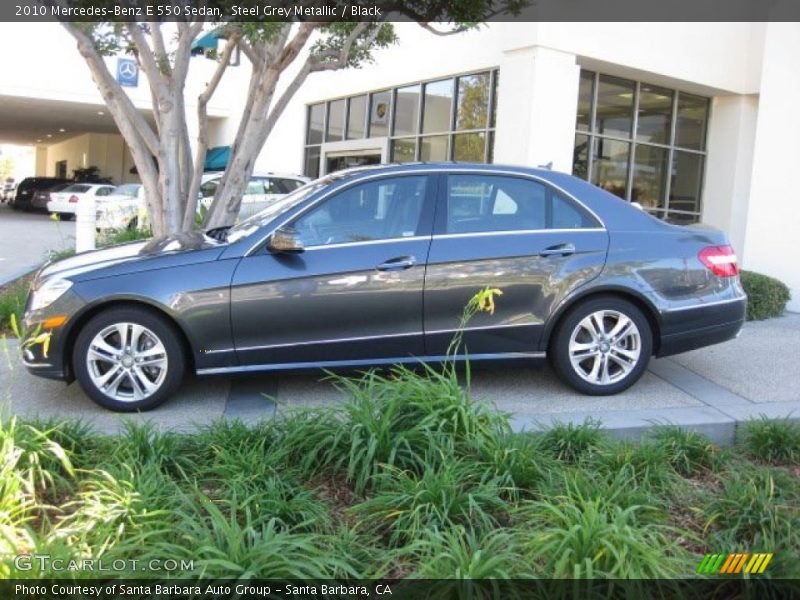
x=27, y=239
x=711, y=390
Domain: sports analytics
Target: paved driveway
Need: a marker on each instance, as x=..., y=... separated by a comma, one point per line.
x=710, y=390
x=26, y=238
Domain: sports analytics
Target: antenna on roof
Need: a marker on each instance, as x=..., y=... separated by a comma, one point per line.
x=548, y=166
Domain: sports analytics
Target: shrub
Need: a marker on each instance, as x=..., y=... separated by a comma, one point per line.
x=766, y=296
x=752, y=511
x=455, y=492
x=582, y=537
x=773, y=441
x=688, y=452
x=570, y=442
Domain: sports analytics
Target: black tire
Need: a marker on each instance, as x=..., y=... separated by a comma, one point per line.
x=607, y=352
x=66, y=216
x=163, y=330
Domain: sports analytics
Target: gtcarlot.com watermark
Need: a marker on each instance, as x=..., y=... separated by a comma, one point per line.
x=46, y=563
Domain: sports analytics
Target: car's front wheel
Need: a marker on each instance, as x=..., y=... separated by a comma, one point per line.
x=602, y=346
x=128, y=359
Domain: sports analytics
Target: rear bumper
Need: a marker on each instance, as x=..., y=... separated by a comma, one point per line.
x=699, y=326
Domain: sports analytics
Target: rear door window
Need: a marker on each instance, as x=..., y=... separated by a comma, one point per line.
x=487, y=203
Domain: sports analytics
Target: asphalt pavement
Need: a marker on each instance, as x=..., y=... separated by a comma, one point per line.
x=26, y=238
x=711, y=390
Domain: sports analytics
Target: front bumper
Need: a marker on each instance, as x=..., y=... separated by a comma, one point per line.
x=55, y=365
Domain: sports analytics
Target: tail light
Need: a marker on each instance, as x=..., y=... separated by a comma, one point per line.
x=73, y=199
x=720, y=260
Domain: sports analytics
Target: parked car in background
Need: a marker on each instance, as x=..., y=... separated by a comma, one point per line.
x=121, y=208
x=374, y=266
x=7, y=189
x=29, y=186
x=65, y=203
x=42, y=197
x=260, y=193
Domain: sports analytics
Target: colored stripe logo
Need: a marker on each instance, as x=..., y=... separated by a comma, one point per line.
x=734, y=563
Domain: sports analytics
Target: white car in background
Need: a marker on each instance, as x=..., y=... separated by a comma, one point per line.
x=121, y=208
x=65, y=203
x=260, y=193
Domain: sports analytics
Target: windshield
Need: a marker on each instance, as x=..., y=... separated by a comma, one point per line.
x=129, y=189
x=257, y=221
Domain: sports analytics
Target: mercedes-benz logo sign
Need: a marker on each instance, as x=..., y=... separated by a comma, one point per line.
x=127, y=70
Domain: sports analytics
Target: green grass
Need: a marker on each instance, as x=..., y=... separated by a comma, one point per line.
x=408, y=478
x=773, y=441
x=12, y=302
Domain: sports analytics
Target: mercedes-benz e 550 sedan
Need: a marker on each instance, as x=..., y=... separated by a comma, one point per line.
x=374, y=266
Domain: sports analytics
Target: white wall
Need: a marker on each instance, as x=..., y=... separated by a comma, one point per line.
x=106, y=151
x=773, y=219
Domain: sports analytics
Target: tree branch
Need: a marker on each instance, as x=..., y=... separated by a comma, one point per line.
x=202, y=135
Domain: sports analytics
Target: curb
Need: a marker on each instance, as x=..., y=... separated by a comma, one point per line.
x=720, y=427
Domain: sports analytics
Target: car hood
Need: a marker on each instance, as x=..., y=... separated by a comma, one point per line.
x=185, y=247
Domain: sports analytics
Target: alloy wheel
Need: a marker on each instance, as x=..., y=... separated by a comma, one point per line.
x=127, y=362
x=605, y=347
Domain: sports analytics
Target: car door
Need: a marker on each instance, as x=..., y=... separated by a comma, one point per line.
x=356, y=291
x=513, y=233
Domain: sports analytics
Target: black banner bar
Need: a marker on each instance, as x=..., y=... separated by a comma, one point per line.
x=395, y=10
x=404, y=589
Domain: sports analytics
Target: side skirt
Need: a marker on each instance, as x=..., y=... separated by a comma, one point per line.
x=399, y=360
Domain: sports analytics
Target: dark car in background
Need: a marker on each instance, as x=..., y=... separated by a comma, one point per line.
x=373, y=266
x=23, y=200
x=42, y=197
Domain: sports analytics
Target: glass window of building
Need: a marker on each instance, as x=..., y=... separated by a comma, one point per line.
x=379, y=106
x=336, y=113
x=655, y=115
x=690, y=128
x=404, y=150
x=356, y=117
x=585, y=95
x=472, y=104
x=614, y=110
x=469, y=147
x=433, y=148
x=642, y=142
x=440, y=120
x=406, y=110
x=438, y=104
x=316, y=123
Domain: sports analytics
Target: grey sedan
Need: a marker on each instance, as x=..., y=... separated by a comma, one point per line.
x=373, y=266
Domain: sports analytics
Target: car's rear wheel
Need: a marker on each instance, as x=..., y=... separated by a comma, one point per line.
x=602, y=346
x=128, y=359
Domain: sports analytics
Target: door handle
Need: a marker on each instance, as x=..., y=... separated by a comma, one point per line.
x=558, y=250
x=397, y=264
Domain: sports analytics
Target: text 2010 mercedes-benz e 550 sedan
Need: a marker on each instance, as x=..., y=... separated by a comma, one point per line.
x=374, y=266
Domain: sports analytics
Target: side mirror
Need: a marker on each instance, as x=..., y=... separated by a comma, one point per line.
x=285, y=241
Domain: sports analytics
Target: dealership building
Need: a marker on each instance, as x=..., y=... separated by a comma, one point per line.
x=693, y=121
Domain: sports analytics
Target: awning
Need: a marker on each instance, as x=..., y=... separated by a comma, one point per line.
x=217, y=158
x=206, y=42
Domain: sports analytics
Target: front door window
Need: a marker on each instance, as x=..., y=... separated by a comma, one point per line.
x=376, y=210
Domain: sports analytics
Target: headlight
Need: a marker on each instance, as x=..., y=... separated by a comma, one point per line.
x=49, y=292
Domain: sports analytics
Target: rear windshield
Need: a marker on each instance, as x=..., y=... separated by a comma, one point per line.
x=129, y=189
x=78, y=188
